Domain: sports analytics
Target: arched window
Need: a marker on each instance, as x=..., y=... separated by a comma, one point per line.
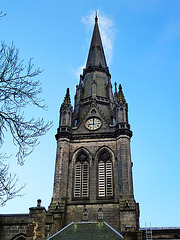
x=100, y=214
x=105, y=176
x=81, y=186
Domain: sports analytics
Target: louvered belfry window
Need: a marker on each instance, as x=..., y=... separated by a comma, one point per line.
x=105, y=177
x=81, y=186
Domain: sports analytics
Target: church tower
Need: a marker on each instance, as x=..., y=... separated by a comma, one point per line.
x=93, y=172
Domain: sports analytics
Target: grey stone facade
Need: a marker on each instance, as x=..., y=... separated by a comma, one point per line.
x=95, y=101
x=13, y=225
x=93, y=172
x=123, y=198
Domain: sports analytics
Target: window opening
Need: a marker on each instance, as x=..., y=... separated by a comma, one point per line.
x=101, y=179
x=85, y=180
x=105, y=178
x=85, y=214
x=100, y=214
x=81, y=187
x=78, y=180
x=108, y=178
x=75, y=123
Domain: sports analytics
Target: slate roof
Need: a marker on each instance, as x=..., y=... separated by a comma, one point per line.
x=87, y=231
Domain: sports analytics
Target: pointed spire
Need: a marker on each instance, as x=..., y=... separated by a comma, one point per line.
x=96, y=18
x=67, y=100
x=96, y=56
x=120, y=96
x=115, y=88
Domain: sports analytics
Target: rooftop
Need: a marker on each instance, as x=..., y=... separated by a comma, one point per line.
x=87, y=231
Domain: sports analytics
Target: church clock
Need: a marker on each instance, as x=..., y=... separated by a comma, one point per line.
x=93, y=171
x=93, y=123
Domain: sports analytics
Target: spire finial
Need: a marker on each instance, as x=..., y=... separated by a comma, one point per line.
x=120, y=88
x=115, y=87
x=121, y=97
x=96, y=18
x=67, y=99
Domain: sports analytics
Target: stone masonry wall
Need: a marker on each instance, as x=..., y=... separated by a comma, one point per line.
x=110, y=214
x=12, y=225
x=92, y=147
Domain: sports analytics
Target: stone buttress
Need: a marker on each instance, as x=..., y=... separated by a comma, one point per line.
x=93, y=171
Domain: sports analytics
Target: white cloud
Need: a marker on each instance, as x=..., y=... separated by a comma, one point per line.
x=79, y=70
x=107, y=31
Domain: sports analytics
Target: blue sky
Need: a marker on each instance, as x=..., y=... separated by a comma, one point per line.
x=142, y=45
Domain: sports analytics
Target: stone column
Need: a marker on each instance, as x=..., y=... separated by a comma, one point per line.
x=37, y=222
x=125, y=167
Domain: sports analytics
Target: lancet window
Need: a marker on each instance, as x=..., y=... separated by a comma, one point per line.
x=105, y=175
x=81, y=186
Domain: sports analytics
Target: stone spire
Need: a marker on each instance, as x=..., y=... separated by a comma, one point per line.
x=96, y=57
x=66, y=111
x=96, y=77
x=121, y=108
x=120, y=95
x=67, y=100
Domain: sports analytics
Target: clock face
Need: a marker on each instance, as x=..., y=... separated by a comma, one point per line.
x=93, y=124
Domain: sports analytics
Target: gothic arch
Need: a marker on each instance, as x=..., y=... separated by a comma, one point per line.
x=20, y=236
x=104, y=160
x=105, y=149
x=81, y=168
x=78, y=151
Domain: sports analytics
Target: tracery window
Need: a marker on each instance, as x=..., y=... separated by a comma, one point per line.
x=105, y=176
x=81, y=186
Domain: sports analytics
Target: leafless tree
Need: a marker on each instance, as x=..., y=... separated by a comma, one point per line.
x=8, y=189
x=19, y=89
x=2, y=14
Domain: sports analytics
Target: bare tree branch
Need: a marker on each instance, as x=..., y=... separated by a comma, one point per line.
x=18, y=89
x=8, y=182
x=2, y=14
